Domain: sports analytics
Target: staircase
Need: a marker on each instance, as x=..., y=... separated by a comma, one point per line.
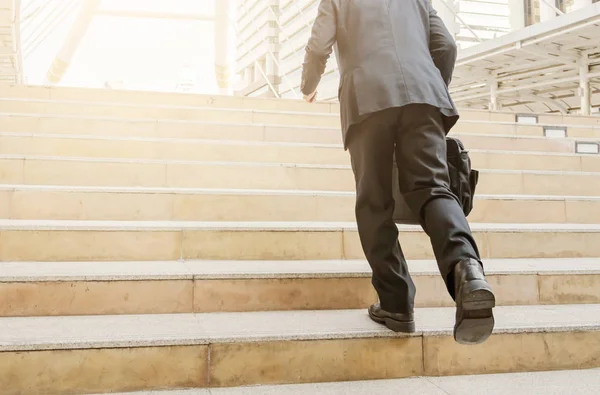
x=164, y=241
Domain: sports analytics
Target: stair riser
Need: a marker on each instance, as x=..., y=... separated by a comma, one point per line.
x=256, y=131
x=56, y=298
x=131, y=245
x=11, y=145
x=298, y=114
x=224, y=207
x=162, y=98
x=185, y=114
x=93, y=371
x=77, y=173
x=290, y=361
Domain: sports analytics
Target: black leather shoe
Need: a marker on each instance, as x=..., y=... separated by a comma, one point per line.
x=474, y=303
x=397, y=322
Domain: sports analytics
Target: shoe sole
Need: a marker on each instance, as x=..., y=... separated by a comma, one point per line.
x=475, y=322
x=396, y=326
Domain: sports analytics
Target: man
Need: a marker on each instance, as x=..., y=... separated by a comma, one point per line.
x=396, y=60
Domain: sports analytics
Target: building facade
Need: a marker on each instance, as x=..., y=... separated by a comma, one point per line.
x=257, y=48
x=272, y=35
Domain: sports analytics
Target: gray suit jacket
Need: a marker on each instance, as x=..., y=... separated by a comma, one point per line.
x=390, y=53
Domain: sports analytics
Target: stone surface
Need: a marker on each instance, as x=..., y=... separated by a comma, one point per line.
x=192, y=174
x=201, y=204
x=300, y=361
x=252, y=245
x=96, y=297
x=21, y=334
x=513, y=352
x=88, y=371
x=283, y=294
x=484, y=152
x=73, y=245
x=575, y=382
x=570, y=289
x=91, y=206
x=71, y=288
x=143, y=164
x=240, y=269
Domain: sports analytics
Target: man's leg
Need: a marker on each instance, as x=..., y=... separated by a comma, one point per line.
x=425, y=185
x=371, y=146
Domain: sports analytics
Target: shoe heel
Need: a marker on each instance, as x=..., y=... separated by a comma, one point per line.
x=475, y=330
x=475, y=317
x=477, y=295
x=397, y=326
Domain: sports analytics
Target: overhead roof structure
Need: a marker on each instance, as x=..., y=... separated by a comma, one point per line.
x=11, y=67
x=552, y=66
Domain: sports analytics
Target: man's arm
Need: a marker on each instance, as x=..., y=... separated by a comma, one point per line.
x=441, y=45
x=319, y=48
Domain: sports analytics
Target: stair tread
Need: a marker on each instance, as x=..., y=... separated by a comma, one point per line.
x=58, y=158
x=178, y=270
x=573, y=382
x=316, y=226
x=226, y=110
x=260, y=192
x=263, y=143
x=85, y=332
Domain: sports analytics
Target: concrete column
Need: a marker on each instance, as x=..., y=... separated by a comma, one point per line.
x=271, y=68
x=63, y=59
x=516, y=8
x=224, y=36
x=257, y=74
x=446, y=14
x=577, y=4
x=546, y=11
x=248, y=76
x=494, y=104
x=584, y=87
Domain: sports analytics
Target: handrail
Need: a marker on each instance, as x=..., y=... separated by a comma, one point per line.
x=462, y=21
x=42, y=20
x=287, y=37
x=302, y=15
x=256, y=63
x=17, y=38
x=272, y=55
x=554, y=7
x=44, y=29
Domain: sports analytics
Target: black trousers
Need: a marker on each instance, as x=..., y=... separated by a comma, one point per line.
x=415, y=133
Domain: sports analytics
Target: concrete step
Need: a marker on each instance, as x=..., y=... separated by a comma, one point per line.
x=148, y=98
x=236, y=109
x=156, y=112
x=572, y=382
x=90, y=288
x=489, y=152
x=86, y=354
x=227, y=128
x=73, y=171
x=91, y=96
x=153, y=241
x=180, y=204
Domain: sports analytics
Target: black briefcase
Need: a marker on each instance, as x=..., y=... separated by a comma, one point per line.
x=463, y=181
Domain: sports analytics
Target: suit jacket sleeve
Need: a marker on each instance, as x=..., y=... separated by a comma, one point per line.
x=320, y=46
x=441, y=45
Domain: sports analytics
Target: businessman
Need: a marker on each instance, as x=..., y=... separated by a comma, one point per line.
x=396, y=60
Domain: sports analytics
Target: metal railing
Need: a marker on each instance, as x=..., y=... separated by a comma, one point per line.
x=271, y=54
x=19, y=55
x=39, y=20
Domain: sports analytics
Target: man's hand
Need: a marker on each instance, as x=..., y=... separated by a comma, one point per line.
x=311, y=98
